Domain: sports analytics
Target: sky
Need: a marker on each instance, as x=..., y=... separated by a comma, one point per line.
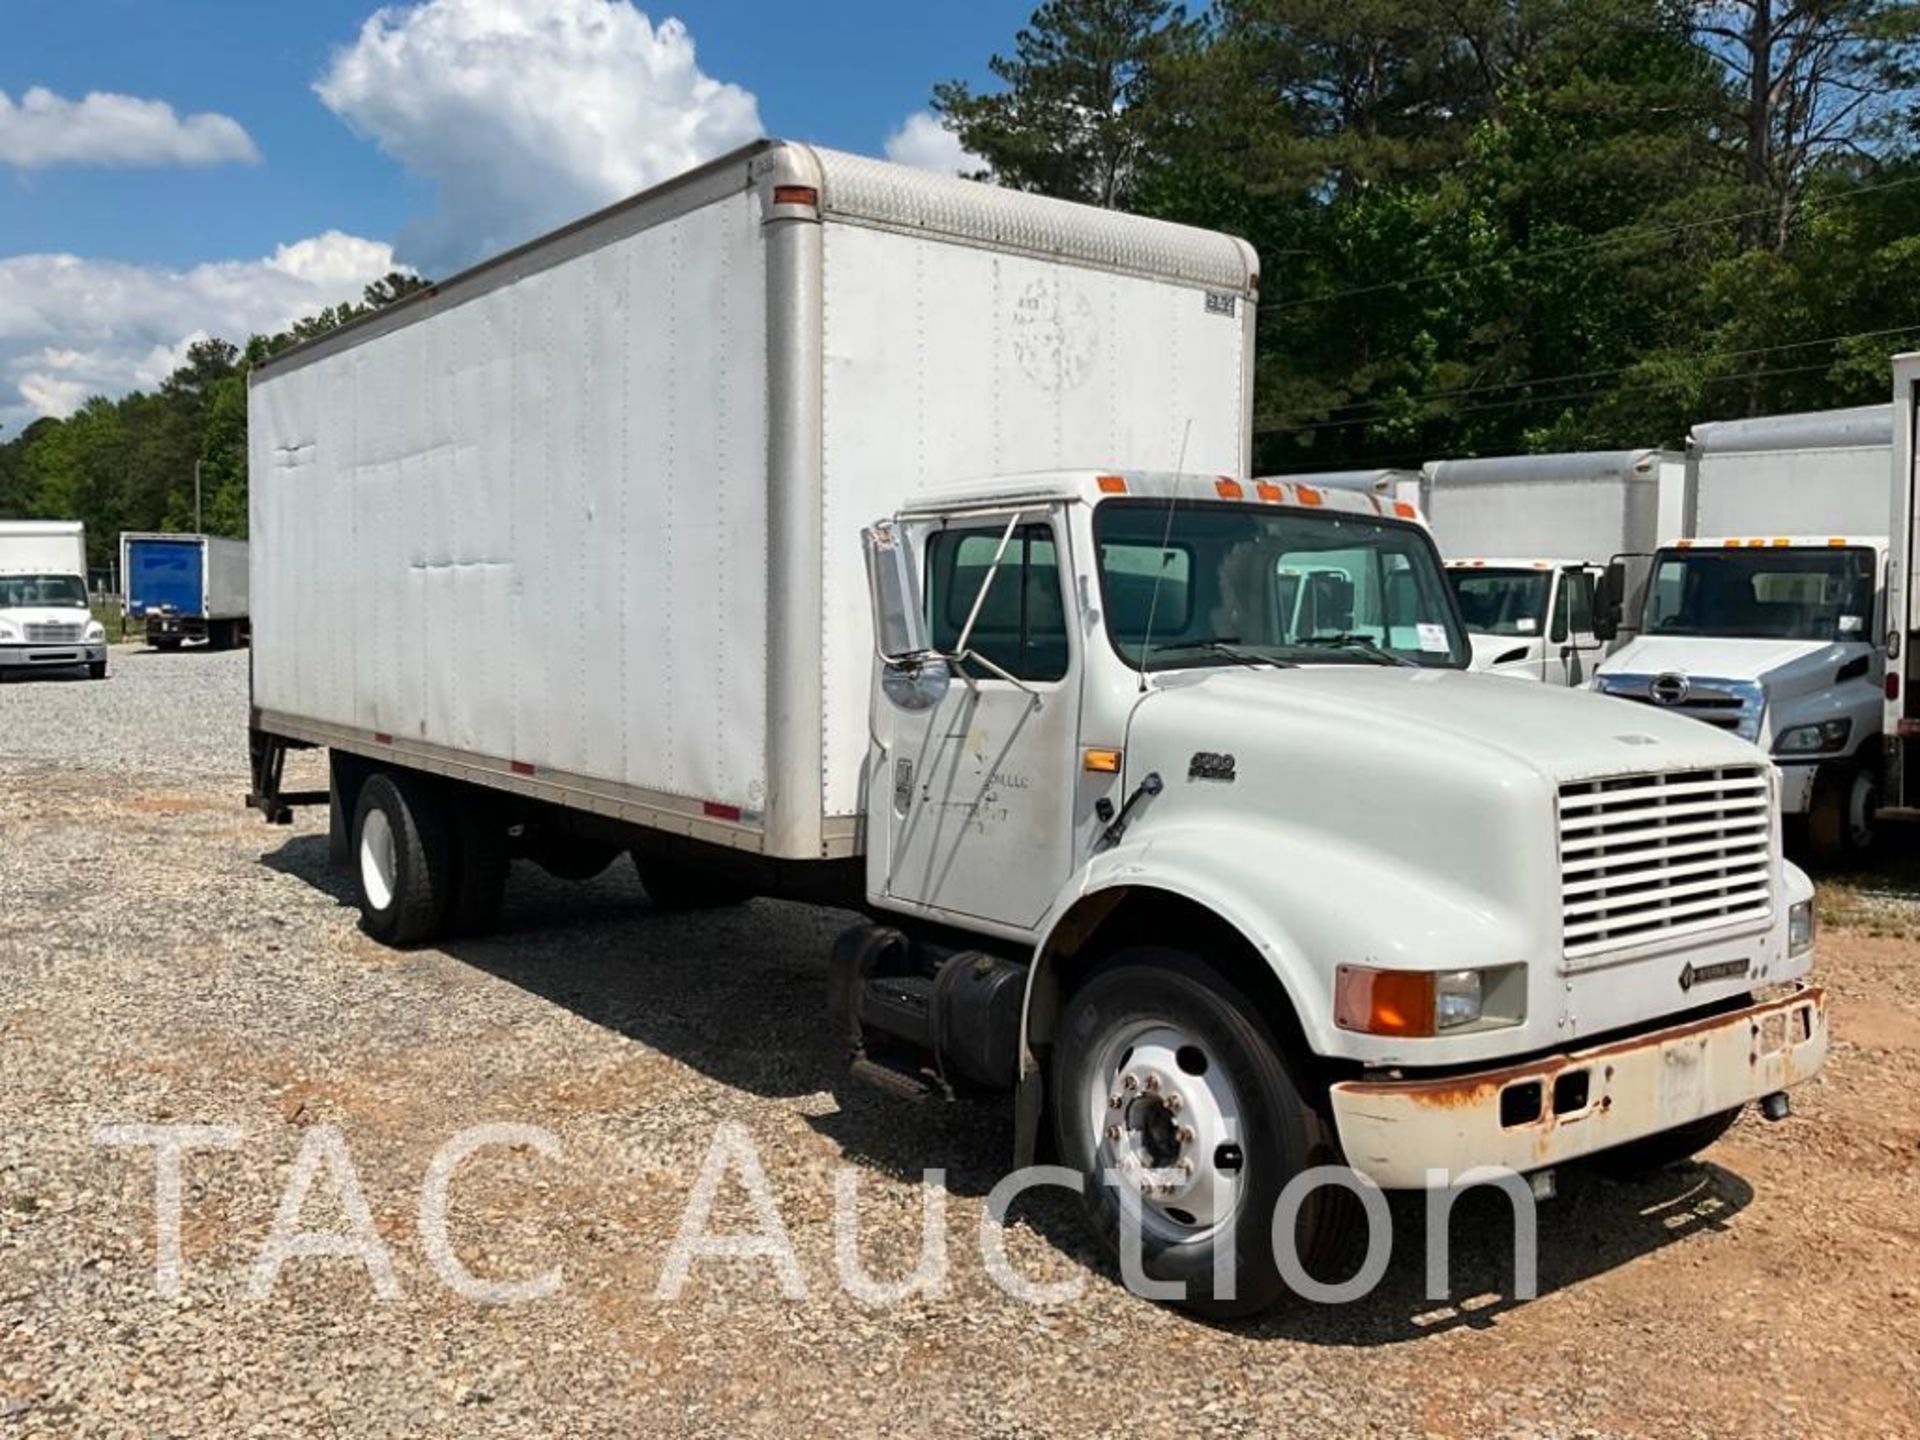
x=171, y=169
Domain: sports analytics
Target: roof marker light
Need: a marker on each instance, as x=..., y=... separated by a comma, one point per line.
x=1111, y=485
x=1405, y=511
x=1268, y=491
x=1228, y=489
x=1306, y=494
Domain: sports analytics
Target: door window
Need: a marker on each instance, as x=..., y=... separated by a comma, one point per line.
x=1022, y=626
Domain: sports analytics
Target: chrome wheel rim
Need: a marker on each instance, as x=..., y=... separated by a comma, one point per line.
x=378, y=860
x=1168, y=1129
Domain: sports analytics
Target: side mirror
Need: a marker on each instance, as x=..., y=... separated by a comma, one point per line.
x=912, y=675
x=1610, y=605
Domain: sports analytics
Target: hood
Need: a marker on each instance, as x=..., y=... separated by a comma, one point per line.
x=1718, y=657
x=1447, y=716
x=46, y=615
x=1487, y=649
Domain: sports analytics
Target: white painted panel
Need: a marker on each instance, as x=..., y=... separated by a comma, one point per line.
x=1794, y=492
x=1556, y=518
x=946, y=362
x=532, y=525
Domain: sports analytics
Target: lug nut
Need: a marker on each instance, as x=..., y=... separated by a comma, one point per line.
x=1129, y=1083
x=1174, y=1102
x=1114, y=1102
x=1153, y=1083
x=1185, y=1135
x=1113, y=1132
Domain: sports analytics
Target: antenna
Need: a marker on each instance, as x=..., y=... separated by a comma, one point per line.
x=1166, y=538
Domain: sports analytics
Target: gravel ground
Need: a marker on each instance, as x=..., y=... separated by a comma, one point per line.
x=167, y=959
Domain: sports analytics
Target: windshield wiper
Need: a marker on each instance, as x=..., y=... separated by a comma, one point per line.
x=1227, y=645
x=1365, y=644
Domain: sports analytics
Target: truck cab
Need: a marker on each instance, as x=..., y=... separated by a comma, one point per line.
x=1774, y=639
x=1530, y=618
x=45, y=620
x=1106, y=732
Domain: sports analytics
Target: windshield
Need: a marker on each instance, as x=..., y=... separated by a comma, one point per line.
x=1213, y=584
x=21, y=592
x=1775, y=593
x=1502, y=602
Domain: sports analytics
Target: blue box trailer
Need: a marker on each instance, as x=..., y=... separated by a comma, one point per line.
x=185, y=587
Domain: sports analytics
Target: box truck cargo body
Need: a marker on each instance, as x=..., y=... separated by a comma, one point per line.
x=1766, y=617
x=518, y=486
x=1527, y=538
x=812, y=526
x=45, y=620
x=185, y=587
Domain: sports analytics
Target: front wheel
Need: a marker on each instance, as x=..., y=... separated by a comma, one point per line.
x=96, y=669
x=1169, y=1094
x=1841, y=821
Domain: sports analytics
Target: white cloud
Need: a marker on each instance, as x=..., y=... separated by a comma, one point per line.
x=71, y=328
x=529, y=113
x=922, y=141
x=43, y=129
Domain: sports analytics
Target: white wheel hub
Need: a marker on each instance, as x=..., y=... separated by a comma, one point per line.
x=379, y=859
x=1169, y=1128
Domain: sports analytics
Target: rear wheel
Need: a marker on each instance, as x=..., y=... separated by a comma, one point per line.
x=1669, y=1147
x=1841, y=820
x=671, y=885
x=404, y=859
x=1165, y=1079
x=164, y=642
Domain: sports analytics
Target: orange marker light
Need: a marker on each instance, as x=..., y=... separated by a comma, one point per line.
x=1306, y=494
x=1111, y=485
x=1228, y=489
x=1383, y=1002
x=1269, y=492
x=1101, y=762
x=1405, y=511
x=1837, y=540
x=795, y=195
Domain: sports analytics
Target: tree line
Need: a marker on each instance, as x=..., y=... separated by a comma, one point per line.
x=1485, y=226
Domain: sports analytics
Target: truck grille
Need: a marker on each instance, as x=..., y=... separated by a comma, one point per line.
x=55, y=632
x=1646, y=856
x=1732, y=705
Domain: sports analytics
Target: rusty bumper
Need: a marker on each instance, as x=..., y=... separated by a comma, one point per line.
x=1558, y=1108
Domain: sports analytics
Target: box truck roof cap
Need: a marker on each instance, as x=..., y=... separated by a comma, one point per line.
x=1373, y=481
x=856, y=190
x=1859, y=426
x=1092, y=487
x=1573, y=467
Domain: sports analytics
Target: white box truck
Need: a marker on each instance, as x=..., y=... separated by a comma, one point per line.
x=1900, y=715
x=184, y=587
x=1765, y=619
x=655, y=538
x=45, y=622
x=1527, y=539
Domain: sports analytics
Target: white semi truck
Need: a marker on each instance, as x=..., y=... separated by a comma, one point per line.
x=654, y=538
x=45, y=621
x=1765, y=619
x=1527, y=539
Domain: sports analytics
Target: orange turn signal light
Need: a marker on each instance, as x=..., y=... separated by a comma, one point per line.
x=1101, y=762
x=1383, y=1002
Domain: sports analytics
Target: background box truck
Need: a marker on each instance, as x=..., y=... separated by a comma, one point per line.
x=1765, y=620
x=1527, y=538
x=45, y=622
x=185, y=587
x=655, y=538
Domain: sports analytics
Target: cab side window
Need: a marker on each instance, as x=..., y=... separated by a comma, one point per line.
x=1022, y=627
x=1573, y=606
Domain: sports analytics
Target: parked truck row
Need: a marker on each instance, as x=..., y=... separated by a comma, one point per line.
x=924, y=574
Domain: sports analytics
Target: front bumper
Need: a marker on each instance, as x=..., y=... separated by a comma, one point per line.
x=1395, y=1131
x=50, y=657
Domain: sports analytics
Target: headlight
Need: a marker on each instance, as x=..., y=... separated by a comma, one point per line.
x=1821, y=739
x=1428, y=1002
x=1800, y=928
x=8, y=630
x=96, y=632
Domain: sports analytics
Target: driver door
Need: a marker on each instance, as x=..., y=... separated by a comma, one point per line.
x=1572, y=628
x=974, y=795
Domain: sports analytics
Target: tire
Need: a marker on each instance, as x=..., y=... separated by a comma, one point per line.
x=219, y=635
x=671, y=885
x=1123, y=1022
x=164, y=642
x=1669, y=1147
x=1841, y=820
x=96, y=670
x=480, y=880
x=404, y=859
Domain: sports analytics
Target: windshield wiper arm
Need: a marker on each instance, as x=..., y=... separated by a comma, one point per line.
x=1365, y=644
x=1227, y=645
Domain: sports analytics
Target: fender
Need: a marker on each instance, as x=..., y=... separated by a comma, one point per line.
x=1305, y=902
